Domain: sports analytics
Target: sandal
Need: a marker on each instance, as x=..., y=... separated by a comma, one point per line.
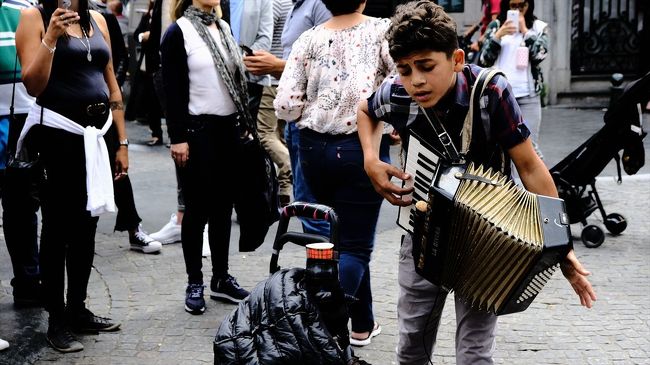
x=366, y=341
x=155, y=141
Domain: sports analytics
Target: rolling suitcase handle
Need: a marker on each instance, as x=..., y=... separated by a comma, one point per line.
x=303, y=210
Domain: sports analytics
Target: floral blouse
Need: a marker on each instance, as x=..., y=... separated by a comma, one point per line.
x=329, y=72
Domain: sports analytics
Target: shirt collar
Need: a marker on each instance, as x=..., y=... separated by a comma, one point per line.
x=297, y=3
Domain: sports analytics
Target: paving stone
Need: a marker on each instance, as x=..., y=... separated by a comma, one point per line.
x=145, y=292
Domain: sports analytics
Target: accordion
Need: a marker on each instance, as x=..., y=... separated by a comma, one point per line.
x=477, y=233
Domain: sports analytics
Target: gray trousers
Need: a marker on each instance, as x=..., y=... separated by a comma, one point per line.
x=531, y=110
x=419, y=320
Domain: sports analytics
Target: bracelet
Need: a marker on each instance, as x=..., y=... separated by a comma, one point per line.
x=51, y=49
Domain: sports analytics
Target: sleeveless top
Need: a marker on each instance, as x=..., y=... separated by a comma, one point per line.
x=74, y=81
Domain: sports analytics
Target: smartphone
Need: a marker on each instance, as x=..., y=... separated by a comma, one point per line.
x=65, y=4
x=246, y=49
x=513, y=15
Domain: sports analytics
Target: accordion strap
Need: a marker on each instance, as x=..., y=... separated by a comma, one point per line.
x=445, y=140
x=476, y=100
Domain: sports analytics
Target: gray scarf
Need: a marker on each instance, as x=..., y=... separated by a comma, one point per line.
x=234, y=79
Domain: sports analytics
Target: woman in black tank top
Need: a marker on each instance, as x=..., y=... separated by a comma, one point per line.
x=66, y=65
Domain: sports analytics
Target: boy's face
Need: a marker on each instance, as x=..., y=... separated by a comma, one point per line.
x=429, y=75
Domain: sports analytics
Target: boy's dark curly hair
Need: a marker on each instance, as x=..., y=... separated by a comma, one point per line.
x=342, y=7
x=421, y=25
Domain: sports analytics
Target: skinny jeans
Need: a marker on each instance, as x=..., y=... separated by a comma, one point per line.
x=213, y=142
x=68, y=229
x=333, y=169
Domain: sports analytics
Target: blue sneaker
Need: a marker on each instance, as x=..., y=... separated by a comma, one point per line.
x=194, y=302
x=228, y=289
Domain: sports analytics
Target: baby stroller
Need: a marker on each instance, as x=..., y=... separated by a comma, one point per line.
x=297, y=316
x=575, y=175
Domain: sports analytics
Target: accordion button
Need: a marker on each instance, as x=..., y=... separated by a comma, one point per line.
x=564, y=218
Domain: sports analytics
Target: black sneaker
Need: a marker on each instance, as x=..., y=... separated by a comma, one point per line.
x=61, y=339
x=141, y=241
x=87, y=322
x=194, y=302
x=227, y=288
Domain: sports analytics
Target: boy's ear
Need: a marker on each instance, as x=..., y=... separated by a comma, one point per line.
x=459, y=60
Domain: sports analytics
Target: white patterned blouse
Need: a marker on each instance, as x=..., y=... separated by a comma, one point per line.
x=329, y=72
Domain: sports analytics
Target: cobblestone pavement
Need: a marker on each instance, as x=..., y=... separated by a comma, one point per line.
x=145, y=292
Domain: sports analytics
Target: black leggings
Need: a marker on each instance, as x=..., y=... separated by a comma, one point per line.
x=213, y=143
x=68, y=232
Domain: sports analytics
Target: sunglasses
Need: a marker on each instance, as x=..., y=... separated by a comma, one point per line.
x=520, y=6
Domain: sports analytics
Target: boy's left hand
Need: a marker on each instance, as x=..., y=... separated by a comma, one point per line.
x=576, y=274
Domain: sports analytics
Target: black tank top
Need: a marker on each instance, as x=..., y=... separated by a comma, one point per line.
x=74, y=81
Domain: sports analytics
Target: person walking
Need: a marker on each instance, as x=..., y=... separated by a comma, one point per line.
x=205, y=88
x=251, y=23
x=321, y=86
x=304, y=15
x=145, y=101
x=518, y=48
x=269, y=127
x=66, y=63
x=18, y=188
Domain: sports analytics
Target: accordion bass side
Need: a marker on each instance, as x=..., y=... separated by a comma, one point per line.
x=490, y=241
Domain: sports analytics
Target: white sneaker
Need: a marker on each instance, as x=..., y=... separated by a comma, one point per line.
x=143, y=242
x=3, y=344
x=170, y=233
x=206, y=242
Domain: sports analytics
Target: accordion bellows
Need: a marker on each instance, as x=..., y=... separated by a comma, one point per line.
x=492, y=225
x=489, y=244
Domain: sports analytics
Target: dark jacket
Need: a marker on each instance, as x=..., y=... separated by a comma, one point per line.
x=279, y=323
x=149, y=49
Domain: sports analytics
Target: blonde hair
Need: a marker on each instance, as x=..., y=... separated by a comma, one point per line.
x=181, y=5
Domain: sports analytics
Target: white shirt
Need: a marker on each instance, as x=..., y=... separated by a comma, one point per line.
x=208, y=92
x=99, y=182
x=507, y=62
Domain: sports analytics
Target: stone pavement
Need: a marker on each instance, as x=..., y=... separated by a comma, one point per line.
x=145, y=292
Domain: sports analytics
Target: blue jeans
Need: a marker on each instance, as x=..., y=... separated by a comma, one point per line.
x=333, y=169
x=301, y=191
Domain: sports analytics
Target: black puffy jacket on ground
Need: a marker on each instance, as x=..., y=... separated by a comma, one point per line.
x=277, y=324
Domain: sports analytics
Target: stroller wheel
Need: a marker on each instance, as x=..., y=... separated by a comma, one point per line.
x=592, y=236
x=615, y=223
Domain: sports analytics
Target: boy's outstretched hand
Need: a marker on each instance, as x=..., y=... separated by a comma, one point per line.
x=576, y=274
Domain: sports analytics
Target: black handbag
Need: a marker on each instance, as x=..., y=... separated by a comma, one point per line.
x=27, y=160
x=257, y=205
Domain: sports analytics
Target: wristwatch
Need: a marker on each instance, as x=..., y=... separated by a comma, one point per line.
x=124, y=142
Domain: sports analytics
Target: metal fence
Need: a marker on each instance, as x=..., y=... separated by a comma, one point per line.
x=606, y=36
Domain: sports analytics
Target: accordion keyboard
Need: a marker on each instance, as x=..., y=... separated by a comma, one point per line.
x=421, y=164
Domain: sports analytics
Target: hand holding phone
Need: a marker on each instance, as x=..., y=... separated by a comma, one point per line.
x=513, y=16
x=247, y=50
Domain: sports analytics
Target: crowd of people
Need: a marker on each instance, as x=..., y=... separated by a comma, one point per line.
x=325, y=88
